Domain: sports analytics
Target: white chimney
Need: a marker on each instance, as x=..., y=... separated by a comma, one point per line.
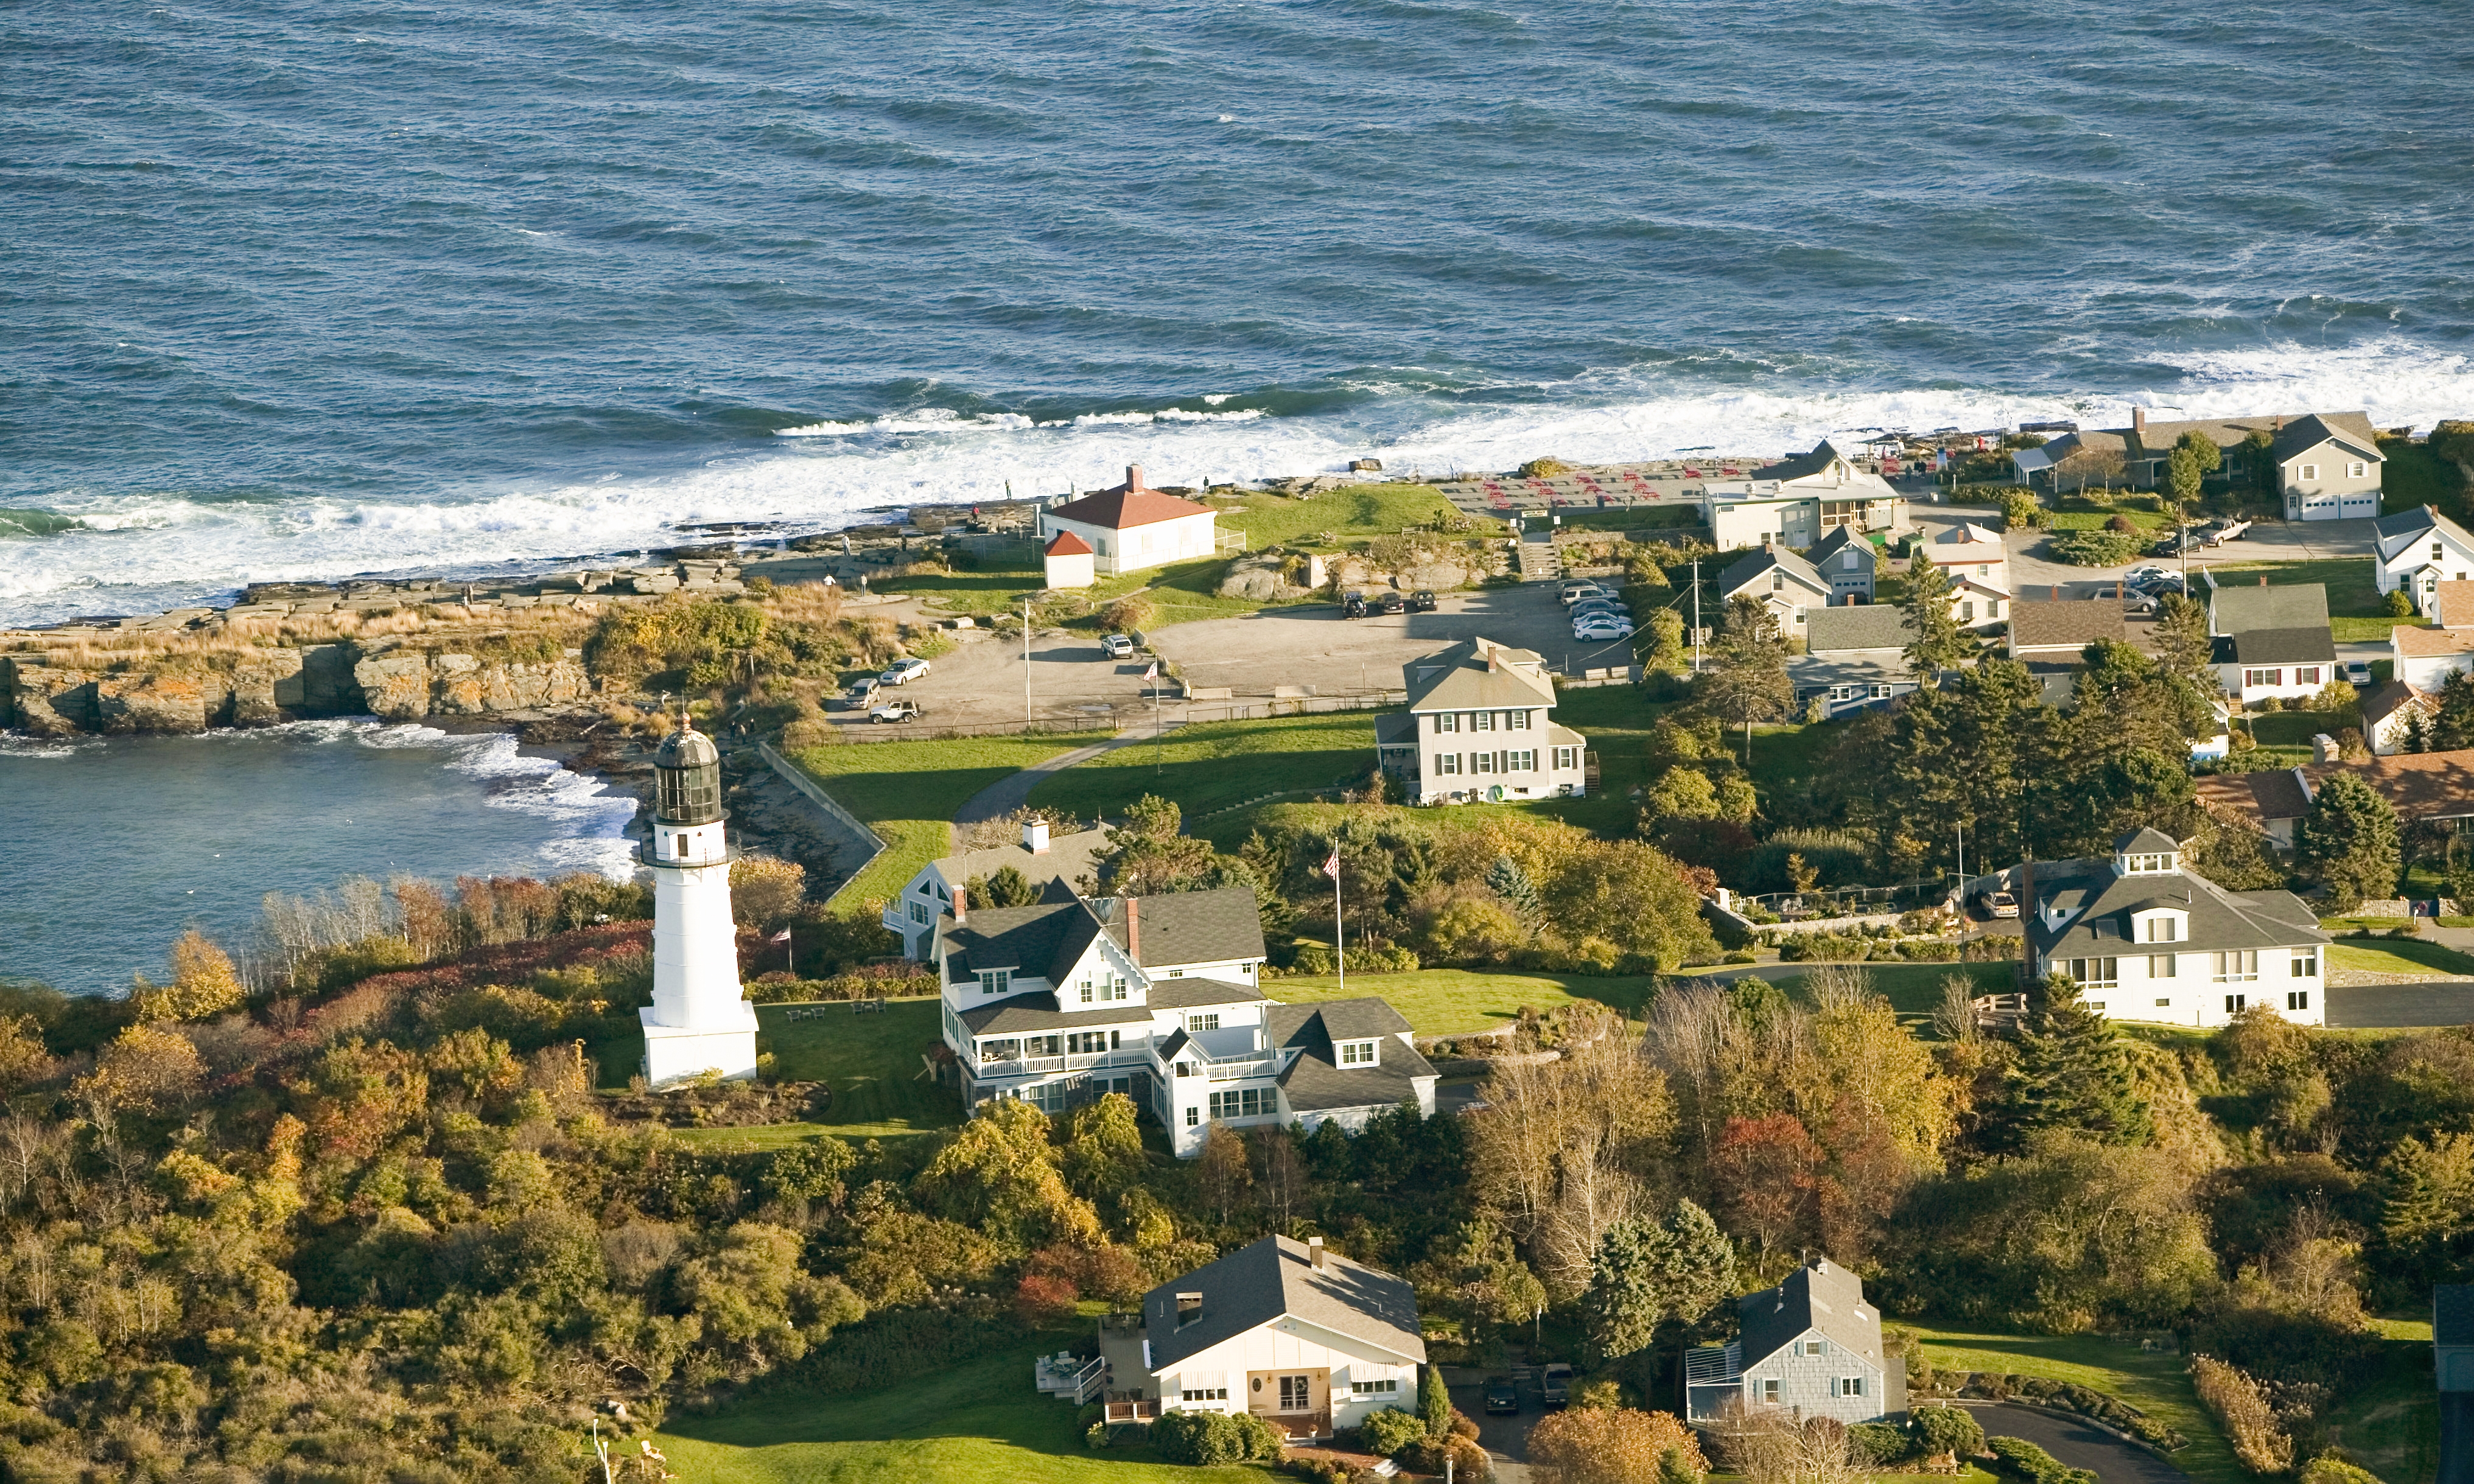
x=1034, y=837
x=1314, y=1251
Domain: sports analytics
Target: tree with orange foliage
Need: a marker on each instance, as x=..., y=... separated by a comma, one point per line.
x=1614, y=1446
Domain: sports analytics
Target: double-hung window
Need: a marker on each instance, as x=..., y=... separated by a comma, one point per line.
x=1209, y=1022
x=2095, y=973
x=2306, y=964
x=2160, y=965
x=1846, y=1386
x=1447, y=762
x=2309, y=471
x=2355, y=469
x=2263, y=677
x=1357, y=1053
x=1522, y=762
x=2298, y=999
x=995, y=981
x=1446, y=722
x=2227, y=968
x=1565, y=757
x=1517, y=721
x=2306, y=674
x=1483, y=720
x=919, y=913
x=2162, y=928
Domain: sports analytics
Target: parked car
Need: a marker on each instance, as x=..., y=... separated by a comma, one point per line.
x=2357, y=672
x=1594, y=628
x=905, y=671
x=2175, y=542
x=861, y=692
x=1391, y=602
x=1574, y=591
x=1422, y=600
x=2158, y=584
x=1555, y=1387
x=1116, y=646
x=896, y=711
x=1997, y=903
x=2139, y=605
x=1501, y=1396
x=1606, y=605
x=1352, y=604
x=2148, y=573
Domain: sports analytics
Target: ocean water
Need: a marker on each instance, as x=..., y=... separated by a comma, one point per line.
x=124, y=843
x=300, y=290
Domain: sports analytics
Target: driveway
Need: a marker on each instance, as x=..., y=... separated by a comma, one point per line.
x=1506, y=1438
x=2077, y=1444
x=2389, y=1007
x=2033, y=573
x=1314, y=646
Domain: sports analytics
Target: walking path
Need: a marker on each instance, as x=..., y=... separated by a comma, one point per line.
x=1011, y=793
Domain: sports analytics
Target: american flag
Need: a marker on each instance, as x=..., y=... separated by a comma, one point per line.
x=782, y=936
x=1331, y=867
x=1151, y=674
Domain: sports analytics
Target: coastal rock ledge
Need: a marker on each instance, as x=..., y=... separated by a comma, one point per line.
x=177, y=693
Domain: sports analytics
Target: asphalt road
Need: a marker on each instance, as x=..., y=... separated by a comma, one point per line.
x=2077, y=1444
x=2376, y=1006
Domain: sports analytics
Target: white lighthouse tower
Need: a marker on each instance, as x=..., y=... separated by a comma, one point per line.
x=698, y=1021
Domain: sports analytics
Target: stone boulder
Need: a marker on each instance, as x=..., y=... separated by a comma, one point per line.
x=395, y=684
x=155, y=701
x=47, y=701
x=1260, y=579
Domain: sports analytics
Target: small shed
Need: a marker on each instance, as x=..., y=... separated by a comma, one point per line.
x=1068, y=561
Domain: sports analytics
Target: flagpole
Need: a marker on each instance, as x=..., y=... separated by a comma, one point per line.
x=1339, y=926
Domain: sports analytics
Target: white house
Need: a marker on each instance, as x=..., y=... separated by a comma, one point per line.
x=2424, y=657
x=1784, y=583
x=1811, y=1344
x=1159, y=998
x=2328, y=467
x=1979, y=569
x=1480, y=725
x=1848, y=560
x=1291, y=1331
x=1855, y=659
x=2146, y=940
x=1068, y=562
x=2272, y=642
x=1133, y=525
x=1053, y=864
x=2390, y=715
x=1798, y=500
x=2419, y=549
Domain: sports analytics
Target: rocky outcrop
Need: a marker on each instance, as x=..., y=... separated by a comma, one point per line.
x=1438, y=571
x=263, y=687
x=1262, y=580
x=406, y=683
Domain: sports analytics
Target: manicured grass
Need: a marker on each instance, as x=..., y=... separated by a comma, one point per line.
x=2392, y=1422
x=1354, y=513
x=975, y=1423
x=907, y=793
x=2399, y=956
x=871, y=1061
x=2357, y=610
x=1782, y=755
x=1454, y=1002
x=2411, y=475
x=2158, y=1385
x=1214, y=764
x=2295, y=728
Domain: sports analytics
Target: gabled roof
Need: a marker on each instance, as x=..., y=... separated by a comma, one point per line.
x=2392, y=697
x=1838, y=539
x=1966, y=533
x=2281, y=647
x=1477, y=674
x=1067, y=543
x=2305, y=433
x=2070, y=623
x=1047, y=941
x=1801, y=466
x=1067, y=857
x=1022, y=1014
x=2146, y=839
x=1838, y=631
x=2265, y=797
x=2399, y=533
x=1043, y=941
x=2418, y=784
x=2156, y=440
x=1818, y=1297
x=2453, y=604
x=1758, y=564
x=1197, y=993
x=2096, y=903
x=1275, y=1279
x=1127, y=505
x=2235, y=609
x=1315, y=1081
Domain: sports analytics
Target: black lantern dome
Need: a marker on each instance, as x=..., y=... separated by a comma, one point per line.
x=687, y=778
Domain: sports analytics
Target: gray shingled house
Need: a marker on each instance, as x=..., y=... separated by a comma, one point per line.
x=1846, y=557
x=1855, y=658
x=1811, y=1344
x=2272, y=642
x=2146, y=940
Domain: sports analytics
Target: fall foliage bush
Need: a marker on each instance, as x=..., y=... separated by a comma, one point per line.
x=1388, y=1431
x=1613, y=1446
x=2260, y=1443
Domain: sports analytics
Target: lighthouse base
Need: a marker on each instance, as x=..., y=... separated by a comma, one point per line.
x=675, y=1054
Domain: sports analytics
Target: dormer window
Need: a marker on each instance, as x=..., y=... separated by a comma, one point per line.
x=995, y=981
x=1357, y=1053
x=2161, y=928
x=1189, y=1308
x=2159, y=864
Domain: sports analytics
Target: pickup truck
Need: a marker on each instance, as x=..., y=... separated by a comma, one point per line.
x=2231, y=530
x=1555, y=1387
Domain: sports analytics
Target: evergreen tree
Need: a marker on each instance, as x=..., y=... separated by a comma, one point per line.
x=2347, y=842
x=2418, y=732
x=2070, y=1073
x=1435, y=1402
x=1940, y=643
x=1507, y=880
x=1650, y=1271
x=1747, y=680
x=2184, y=648
x=2454, y=727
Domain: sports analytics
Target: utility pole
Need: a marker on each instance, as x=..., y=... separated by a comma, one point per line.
x=1696, y=616
x=1026, y=661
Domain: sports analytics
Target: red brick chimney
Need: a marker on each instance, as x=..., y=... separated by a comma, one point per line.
x=1134, y=930
x=2139, y=420
x=961, y=905
x=1133, y=476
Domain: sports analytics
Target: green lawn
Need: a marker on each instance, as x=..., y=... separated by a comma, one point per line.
x=1354, y=513
x=2411, y=475
x=1454, y=1002
x=2392, y=1422
x=2399, y=956
x=871, y=1061
x=975, y=1424
x=1783, y=754
x=2356, y=609
x=907, y=792
x=2158, y=1385
x=1214, y=764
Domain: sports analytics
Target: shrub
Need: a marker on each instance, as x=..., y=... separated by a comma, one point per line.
x=1544, y=468
x=1614, y=1445
x=2329, y=1469
x=1041, y=1299
x=1205, y=1438
x=2022, y=511
x=1877, y=1445
x=1388, y=1431
x=2400, y=604
x=2121, y=524
x=2020, y=1459
x=1946, y=1430
x=2260, y=1443
x=1128, y=614
x=1470, y=1461
x=2094, y=548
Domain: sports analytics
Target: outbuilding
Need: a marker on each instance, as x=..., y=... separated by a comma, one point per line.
x=1068, y=561
x=1133, y=525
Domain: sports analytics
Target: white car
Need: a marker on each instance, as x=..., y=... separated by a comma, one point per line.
x=905, y=671
x=1116, y=646
x=1602, y=628
x=1574, y=591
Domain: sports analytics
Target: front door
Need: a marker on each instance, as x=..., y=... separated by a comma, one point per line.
x=1296, y=1394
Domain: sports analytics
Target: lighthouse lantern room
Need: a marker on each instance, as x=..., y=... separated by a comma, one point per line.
x=699, y=1022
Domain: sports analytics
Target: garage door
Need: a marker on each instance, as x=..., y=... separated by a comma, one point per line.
x=2364, y=504
x=2321, y=507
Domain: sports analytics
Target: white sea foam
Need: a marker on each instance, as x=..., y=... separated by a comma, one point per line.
x=154, y=552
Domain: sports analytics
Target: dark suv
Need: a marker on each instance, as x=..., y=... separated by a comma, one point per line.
x=1391, y=602
x=1422, y=600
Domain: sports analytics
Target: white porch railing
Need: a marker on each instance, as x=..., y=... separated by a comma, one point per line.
x=1032, y=1066
x=1231, y=1069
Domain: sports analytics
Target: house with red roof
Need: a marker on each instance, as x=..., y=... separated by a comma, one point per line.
x=1133, y=525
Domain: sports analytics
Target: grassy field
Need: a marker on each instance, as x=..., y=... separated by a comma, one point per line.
x=2391, y=1423
x=975, y=1424
x=2158, y=1385
x=2356, y=609
x=2411, y=475
x=907, y=792
x=2399, y=956
x=871, y=1061
x=1214, y=764
x=1454, y=1002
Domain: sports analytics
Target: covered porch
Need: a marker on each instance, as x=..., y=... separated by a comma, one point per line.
x=1296, y=1403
